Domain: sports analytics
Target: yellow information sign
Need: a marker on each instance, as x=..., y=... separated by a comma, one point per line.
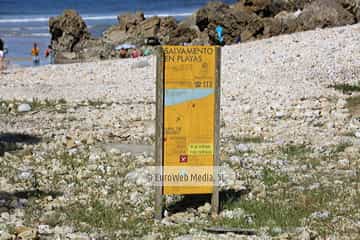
x=189, y=119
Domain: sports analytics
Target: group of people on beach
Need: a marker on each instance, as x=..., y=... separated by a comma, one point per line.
x=131, y=53
x=124, y=52
x=35, y=53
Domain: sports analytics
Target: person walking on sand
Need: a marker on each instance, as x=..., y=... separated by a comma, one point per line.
x=49, y=54
x=35, y=54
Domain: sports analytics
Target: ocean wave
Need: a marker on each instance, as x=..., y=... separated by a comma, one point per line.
x=105, y=17
x=24, y=20
x=185, y=14
x=39, y=34
x=37, y=28
x=100, y=18
x=27, y=35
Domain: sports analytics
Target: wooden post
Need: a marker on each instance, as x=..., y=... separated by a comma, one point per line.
x=159, y=131
x=215, y=201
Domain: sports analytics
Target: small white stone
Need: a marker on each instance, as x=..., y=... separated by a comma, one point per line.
x=44, y=229
x=204, y=209
x=5, y=216
x=357, y=134
x=344, y=162
x=320, y=215
x=115, y=151
x=279, y=114
x=243, y=148
x=26, y=175
x=341, y=103
x=235, y=159
x=247, y=109
x=236, y=213
x=24, y=108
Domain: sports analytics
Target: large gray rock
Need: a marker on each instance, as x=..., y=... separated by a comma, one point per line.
x=129, y=21
x=245, y=20
x=135, y=28
x=67, y=30
x=324, y=13
x=72, y=41
x=353, y=6
x=236, y=22
x=183, y=34
x=266, y=8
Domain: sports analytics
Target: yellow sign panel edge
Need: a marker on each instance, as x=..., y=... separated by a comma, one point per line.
x=159, y=201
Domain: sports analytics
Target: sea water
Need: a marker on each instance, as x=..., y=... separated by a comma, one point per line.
x=23, y=22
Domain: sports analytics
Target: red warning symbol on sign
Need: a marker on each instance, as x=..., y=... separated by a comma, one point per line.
x=183, y=158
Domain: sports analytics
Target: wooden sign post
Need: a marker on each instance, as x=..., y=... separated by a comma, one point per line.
x=187, y=122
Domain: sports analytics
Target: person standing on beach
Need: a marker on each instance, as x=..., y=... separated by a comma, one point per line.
x=220, y=38
x=35, y=54
x=2, y=54
x=135, y=53
x=2, y=45
x=123, y=53
x=49, y=54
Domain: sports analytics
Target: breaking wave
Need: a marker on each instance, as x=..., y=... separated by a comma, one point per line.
x=91, y=18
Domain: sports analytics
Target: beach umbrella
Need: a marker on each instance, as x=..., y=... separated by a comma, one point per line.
x=125, y=46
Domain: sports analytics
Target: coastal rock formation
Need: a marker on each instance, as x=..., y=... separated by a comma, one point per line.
x=129, y=21
x=352, y=6
x=67, y=30
x=236, y=22
x=257, y=19
x=182, y=35
x=135, y=28
x=72, y=41
x=243, y=21
x=324, y=13
x=265, y=8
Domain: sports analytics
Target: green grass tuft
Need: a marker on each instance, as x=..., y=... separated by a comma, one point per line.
x=296, y=152
x=249, y=139
x=353, y=104
x=346, y=88
x=270, y=177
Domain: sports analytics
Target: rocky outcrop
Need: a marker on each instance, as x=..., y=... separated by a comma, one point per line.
x=72, y=41
x=243, y=21
x=236, y=22
x=67, y=30
x=135, y=28
x=129, y=21
x=257, y=19
x=324, y=13
x=352, y=6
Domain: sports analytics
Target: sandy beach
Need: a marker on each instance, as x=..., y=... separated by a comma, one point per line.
x=279, y=116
